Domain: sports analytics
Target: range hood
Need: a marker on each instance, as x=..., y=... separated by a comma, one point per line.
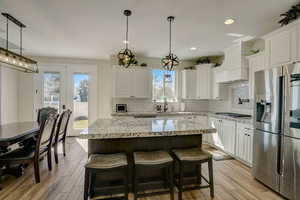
x=235, y=65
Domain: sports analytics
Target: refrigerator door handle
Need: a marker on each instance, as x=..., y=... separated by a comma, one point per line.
x=281, y=123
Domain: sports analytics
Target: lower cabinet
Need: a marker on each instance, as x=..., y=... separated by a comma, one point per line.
x=232, y=137
x=244, y=143
x=224, y=139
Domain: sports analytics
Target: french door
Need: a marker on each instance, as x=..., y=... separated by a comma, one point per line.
x=69, y=87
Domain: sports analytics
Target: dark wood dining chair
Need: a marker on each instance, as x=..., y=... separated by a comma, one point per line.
x=29, y=154
x=43, y=113
x=61, y=133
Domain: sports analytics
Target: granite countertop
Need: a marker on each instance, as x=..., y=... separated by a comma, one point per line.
x=144, y=127
x=246, y=120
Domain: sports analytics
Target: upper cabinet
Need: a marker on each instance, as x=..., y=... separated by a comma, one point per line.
x=218, y=91
x=201, y=83
x=279, y=48
x=189, y=84
x=282, y=46
x=134, y=83
x=256, y=63
x=204, y=81
x=234, y=67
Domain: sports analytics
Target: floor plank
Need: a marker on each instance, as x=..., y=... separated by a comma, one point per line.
x=233, y=181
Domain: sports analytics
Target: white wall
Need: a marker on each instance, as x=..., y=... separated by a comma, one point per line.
x=9, y=95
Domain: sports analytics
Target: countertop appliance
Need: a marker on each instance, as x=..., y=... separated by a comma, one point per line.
x=276, y=145
x=121, y=108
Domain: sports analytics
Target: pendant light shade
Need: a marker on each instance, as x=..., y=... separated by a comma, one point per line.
x=170, y=61
x=126, y=57
x=14, y=60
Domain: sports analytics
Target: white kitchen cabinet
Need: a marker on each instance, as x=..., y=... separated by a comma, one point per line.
x=218, y=91
x=297, y=48
x=196, y=84
x=204, y=81
x=256, y=63
x=216, y=138
x=279, y=47
x=228, y=135
x=189, y=84
x=123, y=82
x=142, y=83
x=134, y=83
x=244, y=142
x=224, y=139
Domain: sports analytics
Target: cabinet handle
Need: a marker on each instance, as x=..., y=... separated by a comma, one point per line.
x=249, y=129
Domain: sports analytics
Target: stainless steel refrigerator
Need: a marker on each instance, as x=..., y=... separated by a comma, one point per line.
x=276, y=142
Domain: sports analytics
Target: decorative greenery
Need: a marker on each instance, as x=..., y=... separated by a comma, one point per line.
x=255, y=51
x=290, y=15
x=144, y=64
x=203, y=60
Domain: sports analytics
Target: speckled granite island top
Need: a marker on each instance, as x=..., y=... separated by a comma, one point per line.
x=145, y=127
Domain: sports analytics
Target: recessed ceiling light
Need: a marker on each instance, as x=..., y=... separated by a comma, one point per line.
x=193, y=48
x=235, y=34
x=126, y=42
x=229, y=21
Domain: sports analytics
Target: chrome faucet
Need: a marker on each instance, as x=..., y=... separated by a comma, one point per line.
x=165, y=106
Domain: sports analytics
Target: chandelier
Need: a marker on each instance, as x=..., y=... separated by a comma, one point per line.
x=14, y=60
x=125, y=56
x=171, y=60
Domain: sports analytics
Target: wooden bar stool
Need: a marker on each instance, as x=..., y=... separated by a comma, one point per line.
x=193, y=157
x=102, y=164
x=149, y=161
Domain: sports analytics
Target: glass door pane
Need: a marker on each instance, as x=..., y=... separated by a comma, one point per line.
x=51, y=95
x=80, y=100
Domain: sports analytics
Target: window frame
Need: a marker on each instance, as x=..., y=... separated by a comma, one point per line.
x=176, y=80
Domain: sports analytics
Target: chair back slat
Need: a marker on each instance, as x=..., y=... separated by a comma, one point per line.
x=43, y=114
x=47, y=130
x=63, y=124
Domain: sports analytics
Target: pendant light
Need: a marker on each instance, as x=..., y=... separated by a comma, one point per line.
x=126, y=57
x=12, y=59
x=171, y=60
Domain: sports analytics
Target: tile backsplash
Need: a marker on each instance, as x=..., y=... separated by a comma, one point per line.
x=236, y=91
x=240, y=90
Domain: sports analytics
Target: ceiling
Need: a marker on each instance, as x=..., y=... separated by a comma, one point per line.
x=96, y=28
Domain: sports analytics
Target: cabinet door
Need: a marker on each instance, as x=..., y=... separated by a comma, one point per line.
x=215, y=140
x=189, y=84
x=203, y=77
x=250, y=146
x=124, y=83
x=256, y=63
x=228, y=136
x=280, y=48
x=142, y=83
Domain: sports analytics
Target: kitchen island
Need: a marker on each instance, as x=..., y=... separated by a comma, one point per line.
x=143, y=134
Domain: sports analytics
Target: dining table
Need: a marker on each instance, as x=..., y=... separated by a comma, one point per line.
x=15, y=135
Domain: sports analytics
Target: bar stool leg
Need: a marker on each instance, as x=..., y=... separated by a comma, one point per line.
x=171, y=181
x=86, y=185
x=180, y=184
x=211, y=177
x=135, y=184
x=199, y=171
x=126, y=182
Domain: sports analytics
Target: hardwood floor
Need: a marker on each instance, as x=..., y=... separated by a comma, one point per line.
x=233, y=180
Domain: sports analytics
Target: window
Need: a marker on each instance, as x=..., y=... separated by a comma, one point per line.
x=51, y=90
x=164, y=86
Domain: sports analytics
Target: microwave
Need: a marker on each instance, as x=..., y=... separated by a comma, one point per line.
x=121, y=108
